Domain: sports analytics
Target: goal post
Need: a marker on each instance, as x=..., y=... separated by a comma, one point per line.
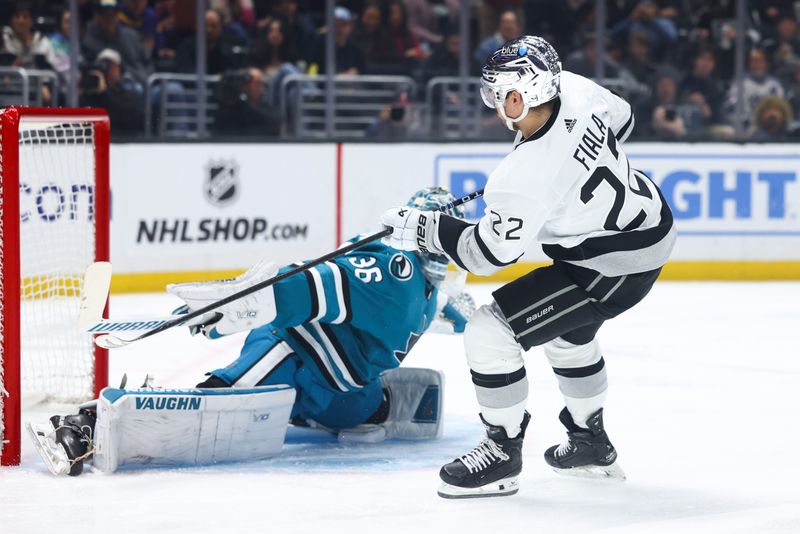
x=54, y=222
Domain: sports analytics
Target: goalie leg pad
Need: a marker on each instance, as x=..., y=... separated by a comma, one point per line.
x=180, y=427
x=415, y=403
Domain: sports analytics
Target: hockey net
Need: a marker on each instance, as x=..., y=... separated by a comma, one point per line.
x=54, y=208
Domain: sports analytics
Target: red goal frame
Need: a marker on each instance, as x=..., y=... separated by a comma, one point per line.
x=10, y=119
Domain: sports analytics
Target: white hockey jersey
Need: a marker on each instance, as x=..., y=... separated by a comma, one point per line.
x=570, y=187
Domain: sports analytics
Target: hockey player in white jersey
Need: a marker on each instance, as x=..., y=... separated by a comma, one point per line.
x=568, y=186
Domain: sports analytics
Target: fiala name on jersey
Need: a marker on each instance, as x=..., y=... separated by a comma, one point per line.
x=592, y=141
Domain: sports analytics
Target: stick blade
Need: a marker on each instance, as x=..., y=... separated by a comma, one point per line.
x=96, y=285
x=107, y=341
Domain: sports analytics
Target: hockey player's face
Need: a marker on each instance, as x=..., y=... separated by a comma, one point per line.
x=512, y=106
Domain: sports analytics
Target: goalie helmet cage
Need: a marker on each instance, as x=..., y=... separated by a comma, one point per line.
x=56, y=162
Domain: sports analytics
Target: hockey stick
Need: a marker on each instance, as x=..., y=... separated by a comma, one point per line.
x=110, y=341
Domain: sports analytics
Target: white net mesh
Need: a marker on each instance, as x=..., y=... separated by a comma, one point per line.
x=57, y=241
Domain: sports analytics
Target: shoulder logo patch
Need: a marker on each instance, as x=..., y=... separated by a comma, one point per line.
x=401, y=267
x=570, y=124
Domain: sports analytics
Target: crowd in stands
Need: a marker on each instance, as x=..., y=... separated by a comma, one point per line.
x=672, y=59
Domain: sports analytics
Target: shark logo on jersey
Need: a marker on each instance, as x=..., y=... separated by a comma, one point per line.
x=401, y=267
x=222, y=182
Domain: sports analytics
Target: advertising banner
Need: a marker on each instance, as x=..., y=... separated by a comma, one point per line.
x=193, y=211
x=731, y=202
x=220, y=207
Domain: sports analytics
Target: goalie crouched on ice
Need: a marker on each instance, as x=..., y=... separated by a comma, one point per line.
x=336, y=333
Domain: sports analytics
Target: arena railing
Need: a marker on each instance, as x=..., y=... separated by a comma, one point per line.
x=171, y=104
x=447, y=115
x=358, y=103
x=28, y=87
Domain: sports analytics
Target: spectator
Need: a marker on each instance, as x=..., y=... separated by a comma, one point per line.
x=232, y=29
x=137, y=15
x=772, y=117
x=273, y=53
x=562, y=23
x=507, y=28
x=583, y=61
x=372, y=36
x=238, y=13
x=105, y=86
x=637, y=58
x=349, y=57
x=429, y=21
x=769, y=12
x=667, y=118
x=757, y=84
x=660, y=32
x=224, y=51
x=106, y=31
x=784, y=49
x=406, y=44
x=241, y=110
x=60, y=41
x=785, y=36
x=489, y=13
x=702, y=87
x=792, y=87
x=31, y=49
x=393, y=123
x=445, y=59
x=301, y=29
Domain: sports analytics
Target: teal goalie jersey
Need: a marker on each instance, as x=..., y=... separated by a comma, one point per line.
x=358, y=315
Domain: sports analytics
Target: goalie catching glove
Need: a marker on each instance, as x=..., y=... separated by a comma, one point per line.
x=247, y=313
x=412, y=230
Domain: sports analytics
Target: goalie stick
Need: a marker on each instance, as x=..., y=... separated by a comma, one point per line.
x=97, y=283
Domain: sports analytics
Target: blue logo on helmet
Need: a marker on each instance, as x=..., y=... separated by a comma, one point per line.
x=523, y=50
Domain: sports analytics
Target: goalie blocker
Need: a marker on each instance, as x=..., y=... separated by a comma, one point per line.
x=187, y=427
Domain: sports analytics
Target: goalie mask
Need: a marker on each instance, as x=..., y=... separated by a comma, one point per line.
x=430, y=199
x=529, y=66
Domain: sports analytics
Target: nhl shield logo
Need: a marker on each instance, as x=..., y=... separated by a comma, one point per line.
x=222, y=182
x=401, y=267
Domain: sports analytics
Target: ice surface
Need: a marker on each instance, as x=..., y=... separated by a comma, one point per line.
x=703, y=408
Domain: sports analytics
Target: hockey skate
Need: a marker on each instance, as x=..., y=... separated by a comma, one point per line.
x=64, y=442
x=586, y=452
x=490, y=469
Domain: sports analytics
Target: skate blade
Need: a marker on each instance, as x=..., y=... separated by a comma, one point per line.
x=608, y=472
x=501, y=488
x=53, y=454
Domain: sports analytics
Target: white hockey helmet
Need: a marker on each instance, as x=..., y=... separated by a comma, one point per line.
x=528, y=65
x=434, y=266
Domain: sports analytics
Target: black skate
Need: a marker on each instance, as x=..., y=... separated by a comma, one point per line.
x=65, y=441
x=587, y=452
x=488, y=470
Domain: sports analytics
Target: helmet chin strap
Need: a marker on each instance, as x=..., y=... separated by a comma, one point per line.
x=501, y=110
